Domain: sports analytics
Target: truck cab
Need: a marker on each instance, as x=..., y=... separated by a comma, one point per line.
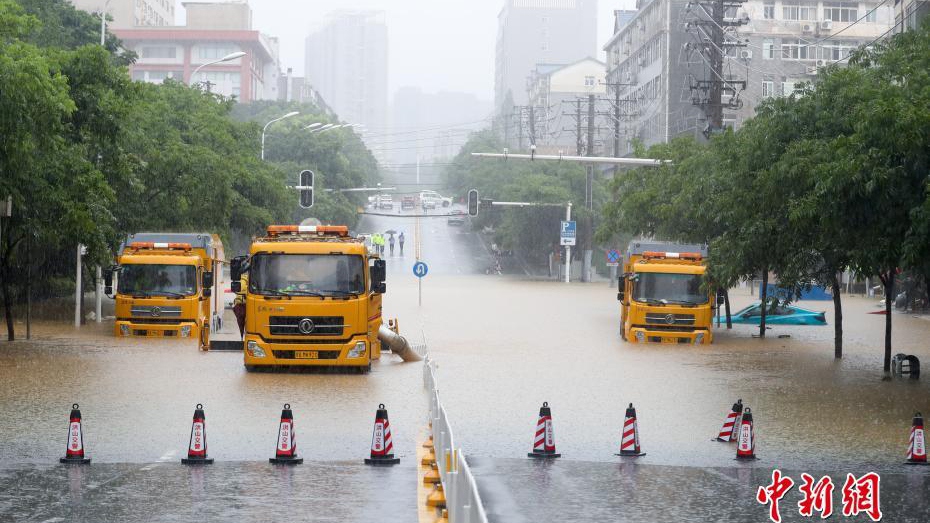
x=661, y=294
x=167, y=288
x=313, y=298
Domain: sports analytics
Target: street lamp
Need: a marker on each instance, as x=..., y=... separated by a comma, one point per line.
x=103, y=23
x=313, y=126
x=325, y=127
x=230, y=56
x=288, y=115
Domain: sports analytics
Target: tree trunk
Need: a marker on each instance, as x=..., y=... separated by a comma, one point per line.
x=888, y=280
x=763, y=295
x=726, y=305
x=837, y=318
x=7, y=306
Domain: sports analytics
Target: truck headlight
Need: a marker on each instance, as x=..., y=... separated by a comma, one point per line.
x=358, y=350
x=254, y=350
x=185, y=331
x=640, y=336
x=699, y=338
x=124, y=330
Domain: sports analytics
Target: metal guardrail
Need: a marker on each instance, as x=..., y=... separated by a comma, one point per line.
x=462, y=499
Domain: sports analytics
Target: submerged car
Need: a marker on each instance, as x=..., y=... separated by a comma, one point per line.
x=456, y=217
x=780, y=314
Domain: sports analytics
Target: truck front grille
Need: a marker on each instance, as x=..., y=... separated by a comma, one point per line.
x=306, y=325
x=676, y=319
x=155, y=310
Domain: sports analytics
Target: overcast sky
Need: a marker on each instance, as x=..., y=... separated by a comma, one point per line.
x=437, y=45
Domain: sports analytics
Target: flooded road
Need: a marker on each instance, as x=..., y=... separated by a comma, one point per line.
x=503, y=345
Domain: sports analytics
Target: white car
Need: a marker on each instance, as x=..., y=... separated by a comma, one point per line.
x=435, y=198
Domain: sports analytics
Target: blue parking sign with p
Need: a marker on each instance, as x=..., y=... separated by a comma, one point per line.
x=568, y=233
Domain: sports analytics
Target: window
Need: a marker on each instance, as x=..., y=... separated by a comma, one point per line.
x=213, y=52
x=588, y=81
x=167, y=51
x=307, y=274
x=768, y=10
x=796, y=49
x=872, y=15
x=768, y=89
x=788, y=88
x=768, y=49
x=799, y=11
x=841, y=11
x=158, y=280
x=835, y=51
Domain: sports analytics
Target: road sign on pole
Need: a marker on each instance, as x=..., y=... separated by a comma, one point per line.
x=568, y=232
x=613, y=258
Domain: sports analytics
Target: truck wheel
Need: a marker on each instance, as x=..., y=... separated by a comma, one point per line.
x=250, y=368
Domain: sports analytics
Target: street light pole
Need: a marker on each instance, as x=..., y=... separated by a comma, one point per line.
x=103, y=23
x=230, y=56
x=265, y=128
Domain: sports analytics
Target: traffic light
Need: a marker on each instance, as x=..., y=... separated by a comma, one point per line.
x=473, y=202
x=306, y=189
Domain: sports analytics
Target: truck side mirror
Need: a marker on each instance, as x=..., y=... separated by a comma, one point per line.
x=378, y=273
x=108, y=282
x=621, y=287
x=206, y=281
x=235, y=273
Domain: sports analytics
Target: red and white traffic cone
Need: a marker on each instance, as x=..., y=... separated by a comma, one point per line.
x=544, y=440
x=629, y=436
x=730, y=428
x=746, y=442
x=286, y=450
x=197, y=449
x=74, y=453
x=382, y=448
x=917, y=446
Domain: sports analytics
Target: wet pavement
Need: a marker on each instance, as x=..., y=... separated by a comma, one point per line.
x=504, y=345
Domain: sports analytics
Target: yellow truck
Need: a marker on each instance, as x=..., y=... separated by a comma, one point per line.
x=166, y=285
x=313, y=298
x=661, y=295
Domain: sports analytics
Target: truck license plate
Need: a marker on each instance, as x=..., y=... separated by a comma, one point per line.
x=307, y=354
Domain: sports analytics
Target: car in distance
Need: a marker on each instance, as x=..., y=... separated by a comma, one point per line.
x=385, y=201
x=435, y=198
x=408, y=202
x=456, y=217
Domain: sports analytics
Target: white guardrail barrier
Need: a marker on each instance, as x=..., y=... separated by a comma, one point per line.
x=462, y=499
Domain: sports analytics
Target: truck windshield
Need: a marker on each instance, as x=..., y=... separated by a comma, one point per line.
x=669, y=288
x=307, y=274
x=158, y=280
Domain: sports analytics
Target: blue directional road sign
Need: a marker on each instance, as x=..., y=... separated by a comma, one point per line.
x=568, y=233
x=420, y=269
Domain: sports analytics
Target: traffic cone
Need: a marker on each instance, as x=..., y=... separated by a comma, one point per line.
x=917, y=446
x=629, y=436
x=739, y=421
x=544, y=441
x=381, y=445
x=746, y=443
x=74, y=452
x=286, y=450
x=730, y=428
x=197, y=449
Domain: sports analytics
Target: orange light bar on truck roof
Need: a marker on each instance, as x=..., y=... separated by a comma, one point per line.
x=673, y=255
x=338, y=230
x=158, y=245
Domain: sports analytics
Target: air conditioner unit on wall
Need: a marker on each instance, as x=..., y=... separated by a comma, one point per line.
x=826, y=24
x=745, y=54
x=807, y=28
x=821, y=63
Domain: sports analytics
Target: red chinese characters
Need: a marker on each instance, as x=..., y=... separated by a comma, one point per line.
x=817, y=496
x=773, y=493
x=862, y=496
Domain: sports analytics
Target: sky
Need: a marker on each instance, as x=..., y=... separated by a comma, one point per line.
x=436, y=45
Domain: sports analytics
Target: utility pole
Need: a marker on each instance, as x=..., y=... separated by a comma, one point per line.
x=714, y=35
x=532, y=125
x=589, y=196
x=578, y=124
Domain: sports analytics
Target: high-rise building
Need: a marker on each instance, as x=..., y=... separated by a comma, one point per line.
x=346, y=62
x=132, y=13
x=909, y=13
x=531, y=32
x=214, y=30
x=656, y=68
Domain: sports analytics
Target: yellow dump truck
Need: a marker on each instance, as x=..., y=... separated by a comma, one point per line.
x=661, y=295
x=166, y=285
x=313, y=297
